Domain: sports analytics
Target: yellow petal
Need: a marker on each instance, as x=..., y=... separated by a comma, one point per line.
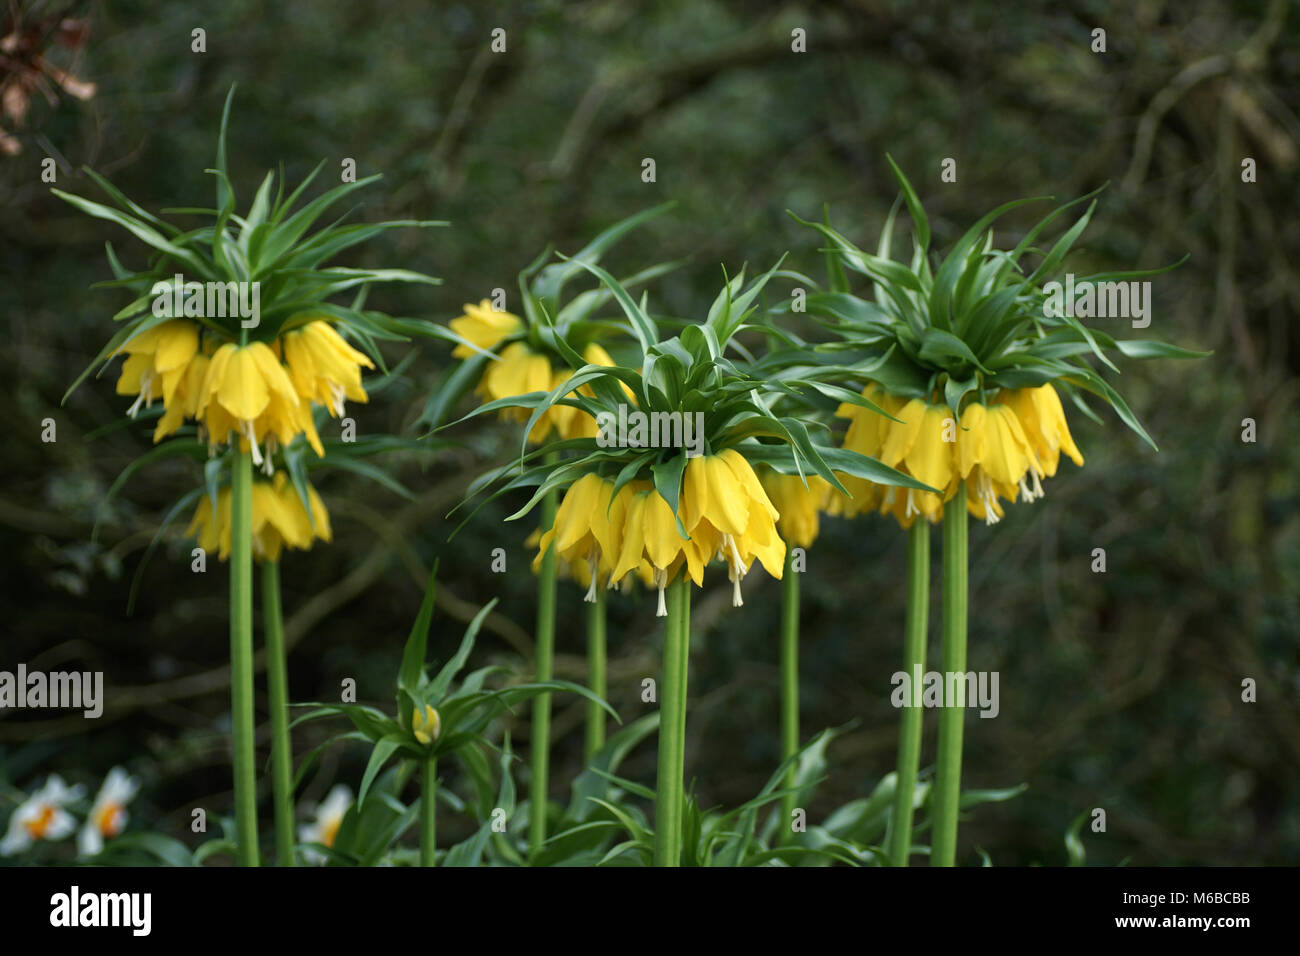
x=901, y=437
x=242, y=390
x=930, y=459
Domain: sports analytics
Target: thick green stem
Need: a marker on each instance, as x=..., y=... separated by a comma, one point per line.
x=672, y=725
x=545, y=654
x=683, y=672
x=595, y=672
x=241, y=658
x=277, y=687
x=428, y=811
x=947, y=785
x=789, y=684
x=910, y=718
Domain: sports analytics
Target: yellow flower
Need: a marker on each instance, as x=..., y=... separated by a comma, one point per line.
x=323, y=367
x=722, y=506
x=1001, y=450
x=279, y=520
x=649, y=536
x=159, y=364
x=1043, y=420
x=574, y=422
x=866, y=435
x=995, y=459
x=484, y=326
x=922, y=444
x=185, y=399
x=728, y=515
x=518, y=371
x=587, y=528
x=247, y=391
x=426, y=726
x=798, y=504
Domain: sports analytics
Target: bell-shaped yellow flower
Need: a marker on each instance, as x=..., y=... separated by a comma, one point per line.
x=728, y=515
x=722, y=505
x=1043, y=420
x=922, y=444
x=1001, y=450
x=518, y=371
x=323, y=367
x=866, y=435
x=279, y=520
x=159, y=363
x=484, y=326
x=426, y=726
x=185, y=399
x=247, y=391
x=799, y=504
x=587, y=529
x=574, y=422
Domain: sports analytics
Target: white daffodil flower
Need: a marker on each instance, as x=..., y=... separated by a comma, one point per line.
x=41, y=816
x=329, y=816
x=108, y=815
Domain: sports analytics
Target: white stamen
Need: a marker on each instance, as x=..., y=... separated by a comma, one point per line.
x=337, y=394
x=593, y=565
x=661, y=581
x=252, y=441
x=736, y=569
x=912, y=509
x=990, y=500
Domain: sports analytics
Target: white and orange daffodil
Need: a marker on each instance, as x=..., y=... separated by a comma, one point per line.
x=42, y=817
x=108, y=813
x=325, y=828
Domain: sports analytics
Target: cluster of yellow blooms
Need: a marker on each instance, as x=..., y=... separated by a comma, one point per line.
x=1001, y=450
x=262, y=393
x=722, y=507
x=279, y=520
x=519, y=370
x=798, y=503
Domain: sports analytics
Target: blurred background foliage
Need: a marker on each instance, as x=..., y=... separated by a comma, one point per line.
x=1119, y=690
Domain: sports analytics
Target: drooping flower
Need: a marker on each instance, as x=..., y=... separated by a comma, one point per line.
x=329, y=817
x=484, y=326
x=323, y=367
x=587, y=529
x=185, y=399
x=427, y=726
x=520, y=369
x=247, y=391
x=1001, y=449
x=721, y=506
x=42, y=817
x=108, y=813
x=799, y=504
x=1043, y=420
x=574, y=422
x=278, y=517
x=161, y=363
